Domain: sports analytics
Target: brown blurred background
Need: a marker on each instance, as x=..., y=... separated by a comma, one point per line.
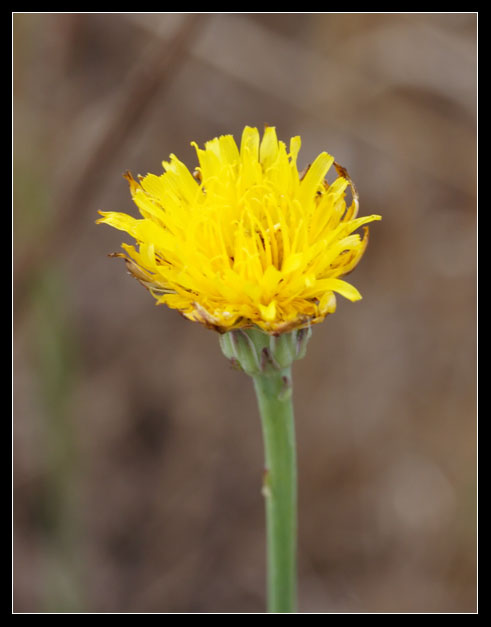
x=137, y=449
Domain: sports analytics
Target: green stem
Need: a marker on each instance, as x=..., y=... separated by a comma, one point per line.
x=280, y=486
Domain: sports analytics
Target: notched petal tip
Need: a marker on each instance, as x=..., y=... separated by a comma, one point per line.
x=101, y=220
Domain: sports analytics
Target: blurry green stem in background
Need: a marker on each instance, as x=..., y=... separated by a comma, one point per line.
x=268, y=359
x=56, y=354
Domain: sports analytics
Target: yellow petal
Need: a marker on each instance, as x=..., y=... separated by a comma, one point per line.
x=268, y=313
x=269, y=147
x=250, y=143
x=342, y=287
x=314, y=177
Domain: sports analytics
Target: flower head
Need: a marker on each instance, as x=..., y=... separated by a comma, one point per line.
x=247, y=240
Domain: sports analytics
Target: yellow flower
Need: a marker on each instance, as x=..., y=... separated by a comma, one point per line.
x=247, y=240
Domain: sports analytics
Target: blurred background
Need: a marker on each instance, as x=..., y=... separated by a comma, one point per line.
x=137, y=448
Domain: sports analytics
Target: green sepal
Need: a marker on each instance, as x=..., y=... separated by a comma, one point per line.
x=256, y=352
